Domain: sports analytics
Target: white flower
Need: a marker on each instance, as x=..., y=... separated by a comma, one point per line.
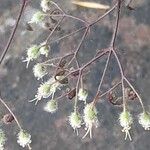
x=90, y=118
x=83, y=94
x=75, y=121
x=32, y=53
x=2, y=139
x=51, y=106
x=48, y=88
x=37, y=17
x=44, y=50
x=126, y=121
x=39, y=70
x=144, y=120
x=23, y=138
x=45, y=5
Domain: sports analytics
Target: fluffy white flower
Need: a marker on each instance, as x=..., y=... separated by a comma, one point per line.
x=90, y=118
x=51, y=106
x=32, y=53
x=83, y=94
x=144, y=120
x=126, y=121
x=44, y=49
x=38, y=17
x=75, y=121
x=39, y=70
x=23, y=138
x=45, y=5
x=2, y=139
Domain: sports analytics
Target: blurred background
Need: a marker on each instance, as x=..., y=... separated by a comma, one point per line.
x=18, y=85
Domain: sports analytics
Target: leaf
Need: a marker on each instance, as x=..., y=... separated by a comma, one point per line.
x=91, y=4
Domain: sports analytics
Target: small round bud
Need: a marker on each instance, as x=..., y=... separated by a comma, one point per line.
x=51, y=106
x=144, y=120
x=2, y=139
x=83, y=94
x=45, y=5
x=75, y=120
x=23, y=138
x=38, y=17
x=39, y=70
x=8, y=118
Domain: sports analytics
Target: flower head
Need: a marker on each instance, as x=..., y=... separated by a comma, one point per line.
x=126, y=121
x=32, y=53
x=48, y=88
x=51, y=106
x=45, y=4
x=75, y=121
x=44, y=50
x=83, y=94
x=144, y=120
x=90, y=118
x=37, y=17
x=39, y=70
x=23, y=138
x=2, y=139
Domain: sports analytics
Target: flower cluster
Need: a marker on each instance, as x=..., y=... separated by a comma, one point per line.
x=24, y=138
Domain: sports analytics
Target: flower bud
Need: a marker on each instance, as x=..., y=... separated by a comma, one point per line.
x=45, y=5
x=144, y=120
x=51, y=106
x=83, y=94
x=75, y=120
x=37, y=17
x=2, y=139
x=39, y=70
x=23, y=138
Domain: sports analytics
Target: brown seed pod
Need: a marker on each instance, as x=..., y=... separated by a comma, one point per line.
x=8, y=118
x=29, y=27
x=72, y=94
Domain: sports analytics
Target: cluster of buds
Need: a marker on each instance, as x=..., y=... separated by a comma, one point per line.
x=23, y=138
